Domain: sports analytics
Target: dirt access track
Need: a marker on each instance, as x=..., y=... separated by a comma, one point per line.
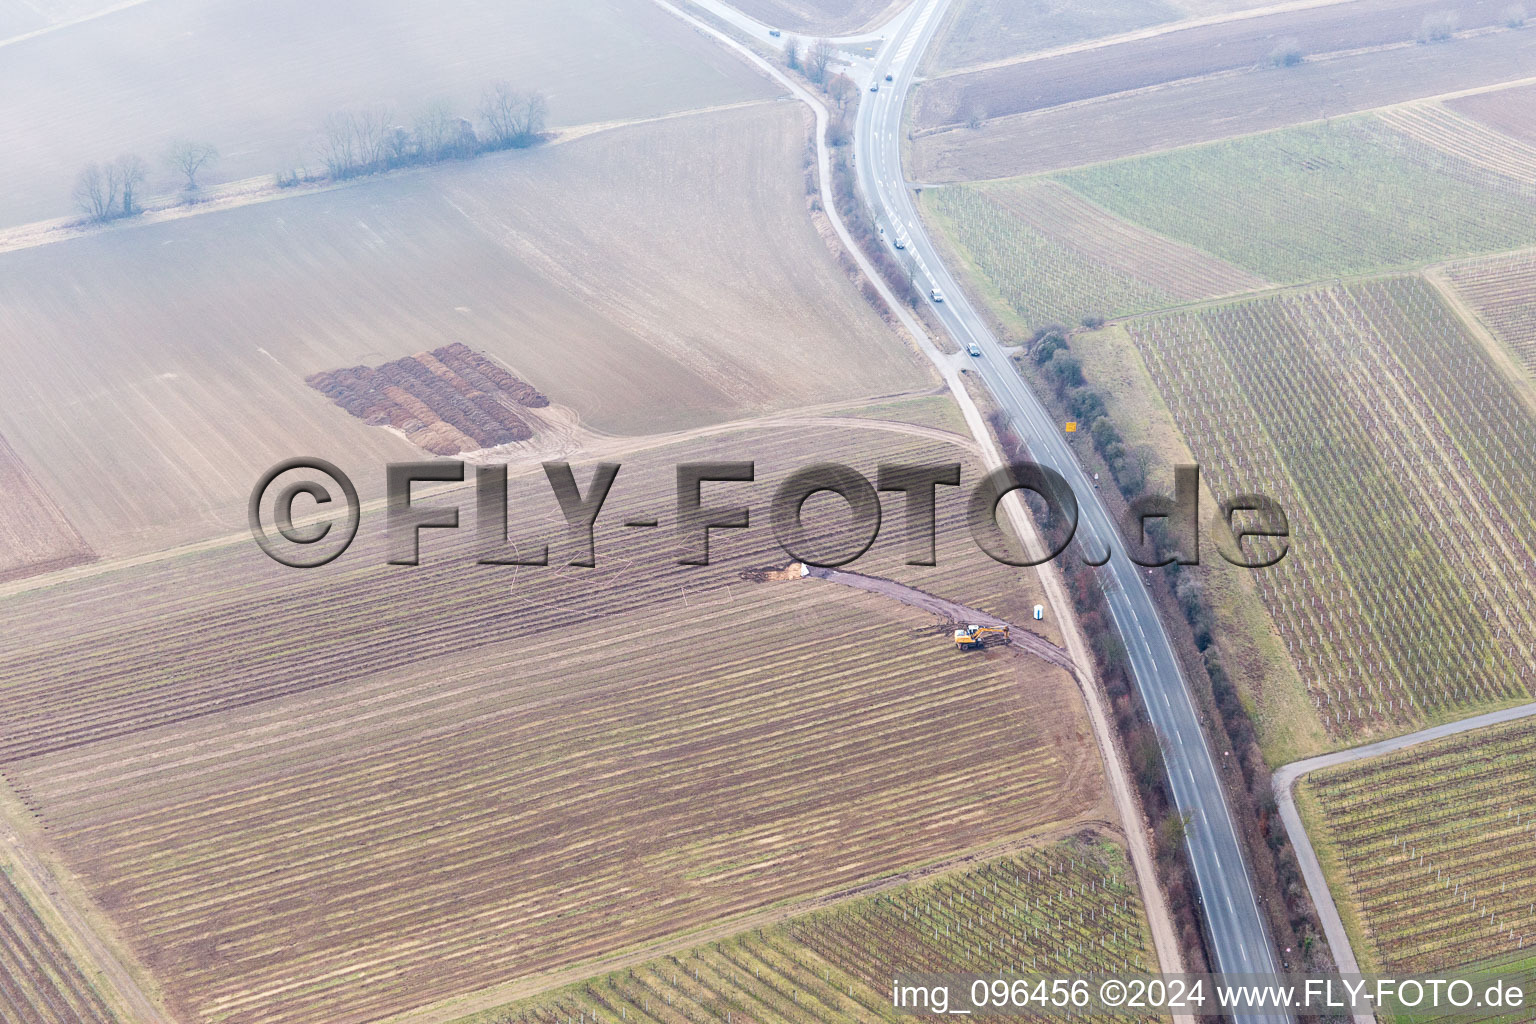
x=958, y=614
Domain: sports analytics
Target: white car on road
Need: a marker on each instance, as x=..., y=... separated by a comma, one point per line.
x=936, y=295
x=973, y=348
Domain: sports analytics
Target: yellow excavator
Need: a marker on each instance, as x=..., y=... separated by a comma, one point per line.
x=975, y=638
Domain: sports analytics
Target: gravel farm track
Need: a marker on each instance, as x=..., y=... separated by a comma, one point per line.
x=949, y=611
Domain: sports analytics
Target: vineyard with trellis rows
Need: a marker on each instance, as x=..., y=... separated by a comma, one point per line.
x=1438, y=846
x=39, y=982
x=1041, y=279
x=1459, y=136
x=1403, y=461
x=1054, y=257
x=1069, y=908
x=1351, y=196
x=1502, y=291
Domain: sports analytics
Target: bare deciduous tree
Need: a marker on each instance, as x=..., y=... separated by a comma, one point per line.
x=337, y=149
x=370, y=132
x=436, y=130
x=189, y=158
x=402, y=145
x=512, y=117
x=96, y=192
x=130, y=172
x=841, y=90
x=535, y=113
x=503, y=109
x=818, y=59
x=792, y=52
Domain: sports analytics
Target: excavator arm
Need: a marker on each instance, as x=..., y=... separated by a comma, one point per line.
x=974, y=637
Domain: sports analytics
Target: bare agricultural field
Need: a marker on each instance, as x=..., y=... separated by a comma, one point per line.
x=1502, y=292
x=1053, y=257
x=1345, y=197
x=1193, y=52
x=453, y=789
x=1211, y=8
x=258, y=80
x=559, y=812
x=1510, y=111
x=1433, y=850
x=1397, y=449
x=979, y=31
x=1067, y=907
x=35, y=534
x=937, y=411
x=652, y=277
x=822, y=17
x=1196, y=110
x=26, y=17
x=148, y=650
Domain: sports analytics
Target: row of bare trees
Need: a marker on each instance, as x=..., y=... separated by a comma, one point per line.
x=351, y=143
x=368, y=141
x=106, y=191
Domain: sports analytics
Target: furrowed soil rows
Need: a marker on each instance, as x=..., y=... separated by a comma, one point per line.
x=821, y=17
x=142, y=648
x=1188, y=53
x=1068, y=908
x=506, y=803
x=1433, y=124
x=1511, y=111
x=1502, y=291
x=980, y=31
x=1054, y=257
x=1437, y=847
x=648, y=278
x=39, y=983
x=1402, y=459
x=1347, y=197
x=35, y=535
x=260, y=86
x=1197, y=110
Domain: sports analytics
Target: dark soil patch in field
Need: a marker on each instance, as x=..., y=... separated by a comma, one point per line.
x=449, y=400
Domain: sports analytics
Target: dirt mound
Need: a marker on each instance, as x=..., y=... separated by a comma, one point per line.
x=769, y=574
x=447, y=401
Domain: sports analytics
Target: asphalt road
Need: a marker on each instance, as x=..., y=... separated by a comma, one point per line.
x=1238, y=932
